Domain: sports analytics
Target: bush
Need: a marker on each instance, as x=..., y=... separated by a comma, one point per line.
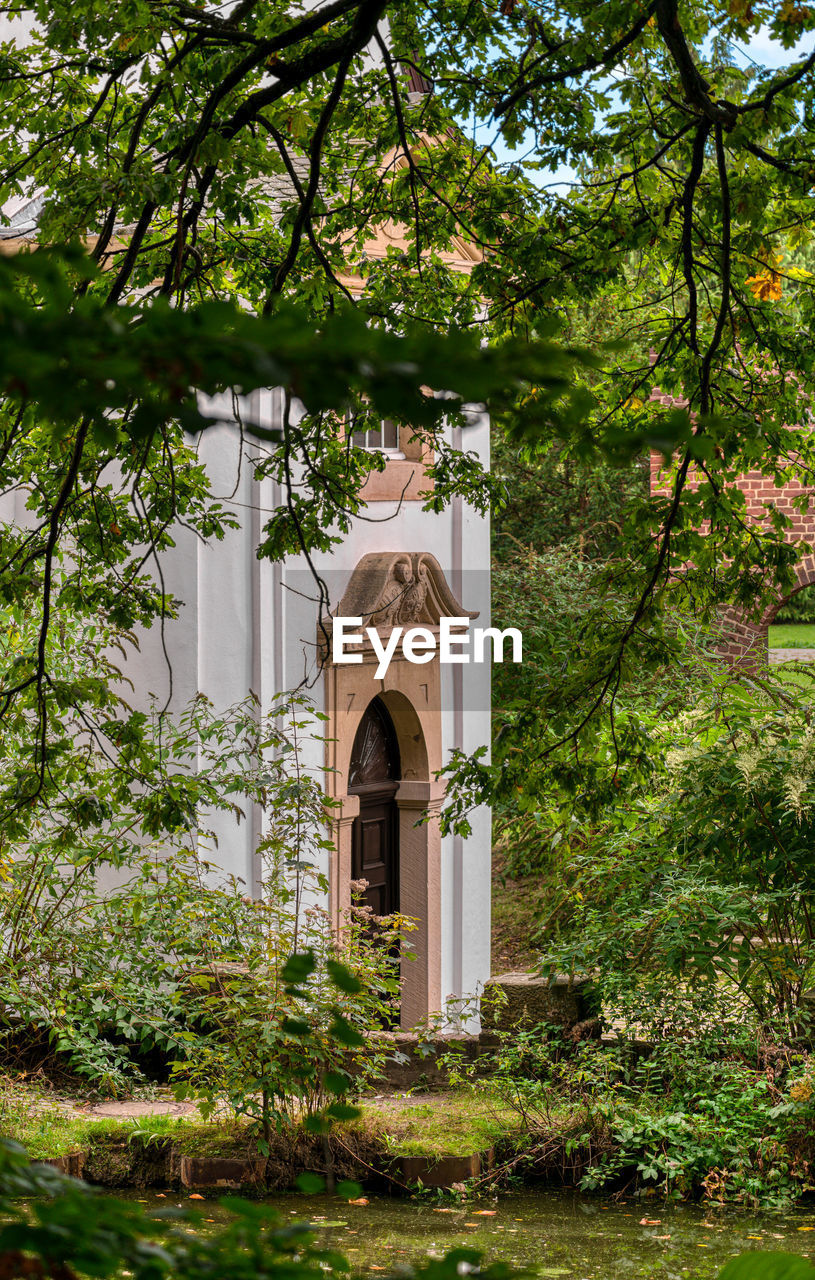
x=700, y=890
x=798, y=608
x=176, y=958
x=686, y=1120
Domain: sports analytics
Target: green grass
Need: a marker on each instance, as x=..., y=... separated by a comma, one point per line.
x=48, y=1134
x=457, y=1123
x=792, y=635
x=47, y=1131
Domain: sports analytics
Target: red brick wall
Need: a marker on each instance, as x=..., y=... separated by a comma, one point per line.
x=744, y=639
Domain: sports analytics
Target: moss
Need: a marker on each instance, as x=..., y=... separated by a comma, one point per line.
x=455, y=1123
x=146, y=1151
x=110, y=1163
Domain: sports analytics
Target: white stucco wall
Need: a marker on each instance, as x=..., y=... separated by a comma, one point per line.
x=241, y=628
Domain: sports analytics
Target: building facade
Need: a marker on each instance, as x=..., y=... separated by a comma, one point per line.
x=252, y=625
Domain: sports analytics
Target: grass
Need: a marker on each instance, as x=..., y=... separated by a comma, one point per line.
x=459, y=1123
x=516, y=905
x=48, y=1134
x=49, y=1129
x=792, y=635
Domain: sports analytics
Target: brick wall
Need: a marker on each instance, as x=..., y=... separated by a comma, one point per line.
x=744, y=639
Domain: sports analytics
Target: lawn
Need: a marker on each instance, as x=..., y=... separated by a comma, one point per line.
x=792, y=635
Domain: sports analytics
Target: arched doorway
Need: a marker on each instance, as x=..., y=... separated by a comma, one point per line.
x=374, y=775
x=400, y=718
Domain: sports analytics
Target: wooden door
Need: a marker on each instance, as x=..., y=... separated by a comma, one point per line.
x=374, y=777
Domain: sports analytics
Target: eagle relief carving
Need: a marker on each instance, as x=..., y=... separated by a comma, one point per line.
x=400, y=588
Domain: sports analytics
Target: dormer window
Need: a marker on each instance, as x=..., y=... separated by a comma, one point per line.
x=383, y=438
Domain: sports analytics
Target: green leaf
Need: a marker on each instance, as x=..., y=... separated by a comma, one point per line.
x=342, y=1030
x=348, y=1190
x=343, y=978
x=299, y=968
x=762, y=1265
x=311, y=1184
x=342, y=1111
x=336, y=1082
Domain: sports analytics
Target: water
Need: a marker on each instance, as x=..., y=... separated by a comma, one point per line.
x=555, y=1235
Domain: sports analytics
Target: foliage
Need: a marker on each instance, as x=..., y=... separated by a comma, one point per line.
x=555, y=498
x=555, y=493
x=685, y=1118
x=257, y=156
x=280, y=1040
x=719, y=1130
x=705, y=876
x=172, y=958
x=798, y=608
x=570, y=610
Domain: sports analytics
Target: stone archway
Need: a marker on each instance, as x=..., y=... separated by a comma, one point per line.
x=388, y=589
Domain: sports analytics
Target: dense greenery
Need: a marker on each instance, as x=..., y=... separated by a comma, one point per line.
x=200, y=155
x=204, y=189
x=711, y=1118
x=799, y=608
x=251, y=1003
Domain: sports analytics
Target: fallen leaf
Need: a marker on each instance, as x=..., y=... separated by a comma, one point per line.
x=483, y=1213
x=470, y=1224
x=195, y=1196
x=662, y=1237
x=160, y=1195
x=805, y=1228
x=362, y=1200
x=650, y=1222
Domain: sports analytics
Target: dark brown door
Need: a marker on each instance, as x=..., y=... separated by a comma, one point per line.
x=374, y=777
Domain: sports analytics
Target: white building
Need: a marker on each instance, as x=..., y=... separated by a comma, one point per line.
x=248, y=624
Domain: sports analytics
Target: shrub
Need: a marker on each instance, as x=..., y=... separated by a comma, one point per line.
x=177, y=958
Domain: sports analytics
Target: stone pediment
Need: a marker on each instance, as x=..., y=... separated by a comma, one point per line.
x=400, y=588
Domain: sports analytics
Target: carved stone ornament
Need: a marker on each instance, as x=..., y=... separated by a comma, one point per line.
x=400, y=588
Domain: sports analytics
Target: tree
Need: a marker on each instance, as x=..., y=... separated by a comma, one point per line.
x=248, y=155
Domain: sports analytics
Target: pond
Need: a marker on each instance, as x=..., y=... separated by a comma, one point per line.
x=556, y=1235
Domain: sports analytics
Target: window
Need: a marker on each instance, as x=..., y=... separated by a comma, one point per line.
x=385, y=438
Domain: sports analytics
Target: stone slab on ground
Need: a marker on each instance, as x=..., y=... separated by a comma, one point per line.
x=777, y=656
